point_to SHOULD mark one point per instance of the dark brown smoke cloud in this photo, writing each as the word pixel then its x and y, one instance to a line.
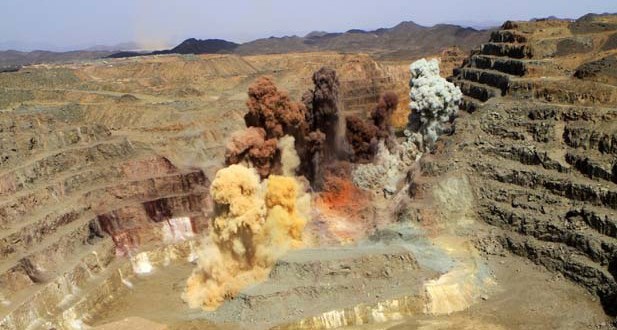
pixel 272 114
pixel 274 111
pixel 252 145
pixel 313 158
pixel 323 112
pixel 322 118
pixel 382 114
pixel 363 136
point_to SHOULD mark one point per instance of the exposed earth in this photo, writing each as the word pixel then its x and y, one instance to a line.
pixel 401 42
pixel 509 223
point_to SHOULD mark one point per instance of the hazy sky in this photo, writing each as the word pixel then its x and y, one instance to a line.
pixel 63 24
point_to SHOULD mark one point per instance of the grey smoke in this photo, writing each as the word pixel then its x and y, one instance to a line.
pixel 434 101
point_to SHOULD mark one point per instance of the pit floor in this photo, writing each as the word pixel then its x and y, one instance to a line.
pixel 527 297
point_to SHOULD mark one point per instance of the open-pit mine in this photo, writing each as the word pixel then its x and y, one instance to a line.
pixel 316 190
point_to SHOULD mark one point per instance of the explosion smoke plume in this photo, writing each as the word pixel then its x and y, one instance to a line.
pixel 382 113
pixel 313 158
pixel 254 223
pixel 252 146
pixel 434 101
pixel 272 114
pixel 363 136
pixel 322 111
pixel 273 110
pixel 289 157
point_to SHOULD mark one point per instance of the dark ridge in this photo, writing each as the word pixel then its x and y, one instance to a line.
pixel 13 58
pixel 208 46
pixel 590 24
pixel 549 18
pixel 611 42
pixel 314 34
pixel 327 36
pixel 381 31
pixel 606 66
pixel 407 25
pixel 314 40
pixel 189 46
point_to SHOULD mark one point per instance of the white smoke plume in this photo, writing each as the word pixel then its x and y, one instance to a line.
pixel 433 101
pixel 387 169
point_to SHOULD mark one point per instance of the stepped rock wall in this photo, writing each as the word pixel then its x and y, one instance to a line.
pixel 538 146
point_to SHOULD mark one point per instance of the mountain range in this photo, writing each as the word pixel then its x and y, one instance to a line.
pixel 403 41
pixel 406 39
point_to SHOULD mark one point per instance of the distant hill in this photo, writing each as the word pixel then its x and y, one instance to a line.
pixel 189 46
pixel 13 58
pixel 404 40
pixel 196 46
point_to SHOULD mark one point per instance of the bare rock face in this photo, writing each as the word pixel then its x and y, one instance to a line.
pixel 73 197
pixel 539 147
pixel 603 70
pixel 538 50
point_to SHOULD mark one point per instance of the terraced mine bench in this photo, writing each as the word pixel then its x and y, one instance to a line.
pixel 523 58
pixel 60 189
pixel 543 160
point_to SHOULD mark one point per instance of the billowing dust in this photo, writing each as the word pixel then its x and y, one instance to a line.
pixel 262 199
pixel 254 224
pixel 294 176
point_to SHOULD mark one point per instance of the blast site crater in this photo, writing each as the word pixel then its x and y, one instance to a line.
pixel 297 190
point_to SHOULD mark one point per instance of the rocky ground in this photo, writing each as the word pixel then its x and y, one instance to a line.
pixel 540 152
pixel 527 297
pixel 514 216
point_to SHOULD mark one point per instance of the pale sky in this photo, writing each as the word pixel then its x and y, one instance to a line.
pixel 72 24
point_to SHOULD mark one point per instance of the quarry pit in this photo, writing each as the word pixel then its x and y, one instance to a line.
pixel 160 192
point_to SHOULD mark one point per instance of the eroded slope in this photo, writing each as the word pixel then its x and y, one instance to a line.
pixel 541 150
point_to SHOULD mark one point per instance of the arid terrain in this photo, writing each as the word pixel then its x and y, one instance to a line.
pixel 401 42
pixel 510 222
